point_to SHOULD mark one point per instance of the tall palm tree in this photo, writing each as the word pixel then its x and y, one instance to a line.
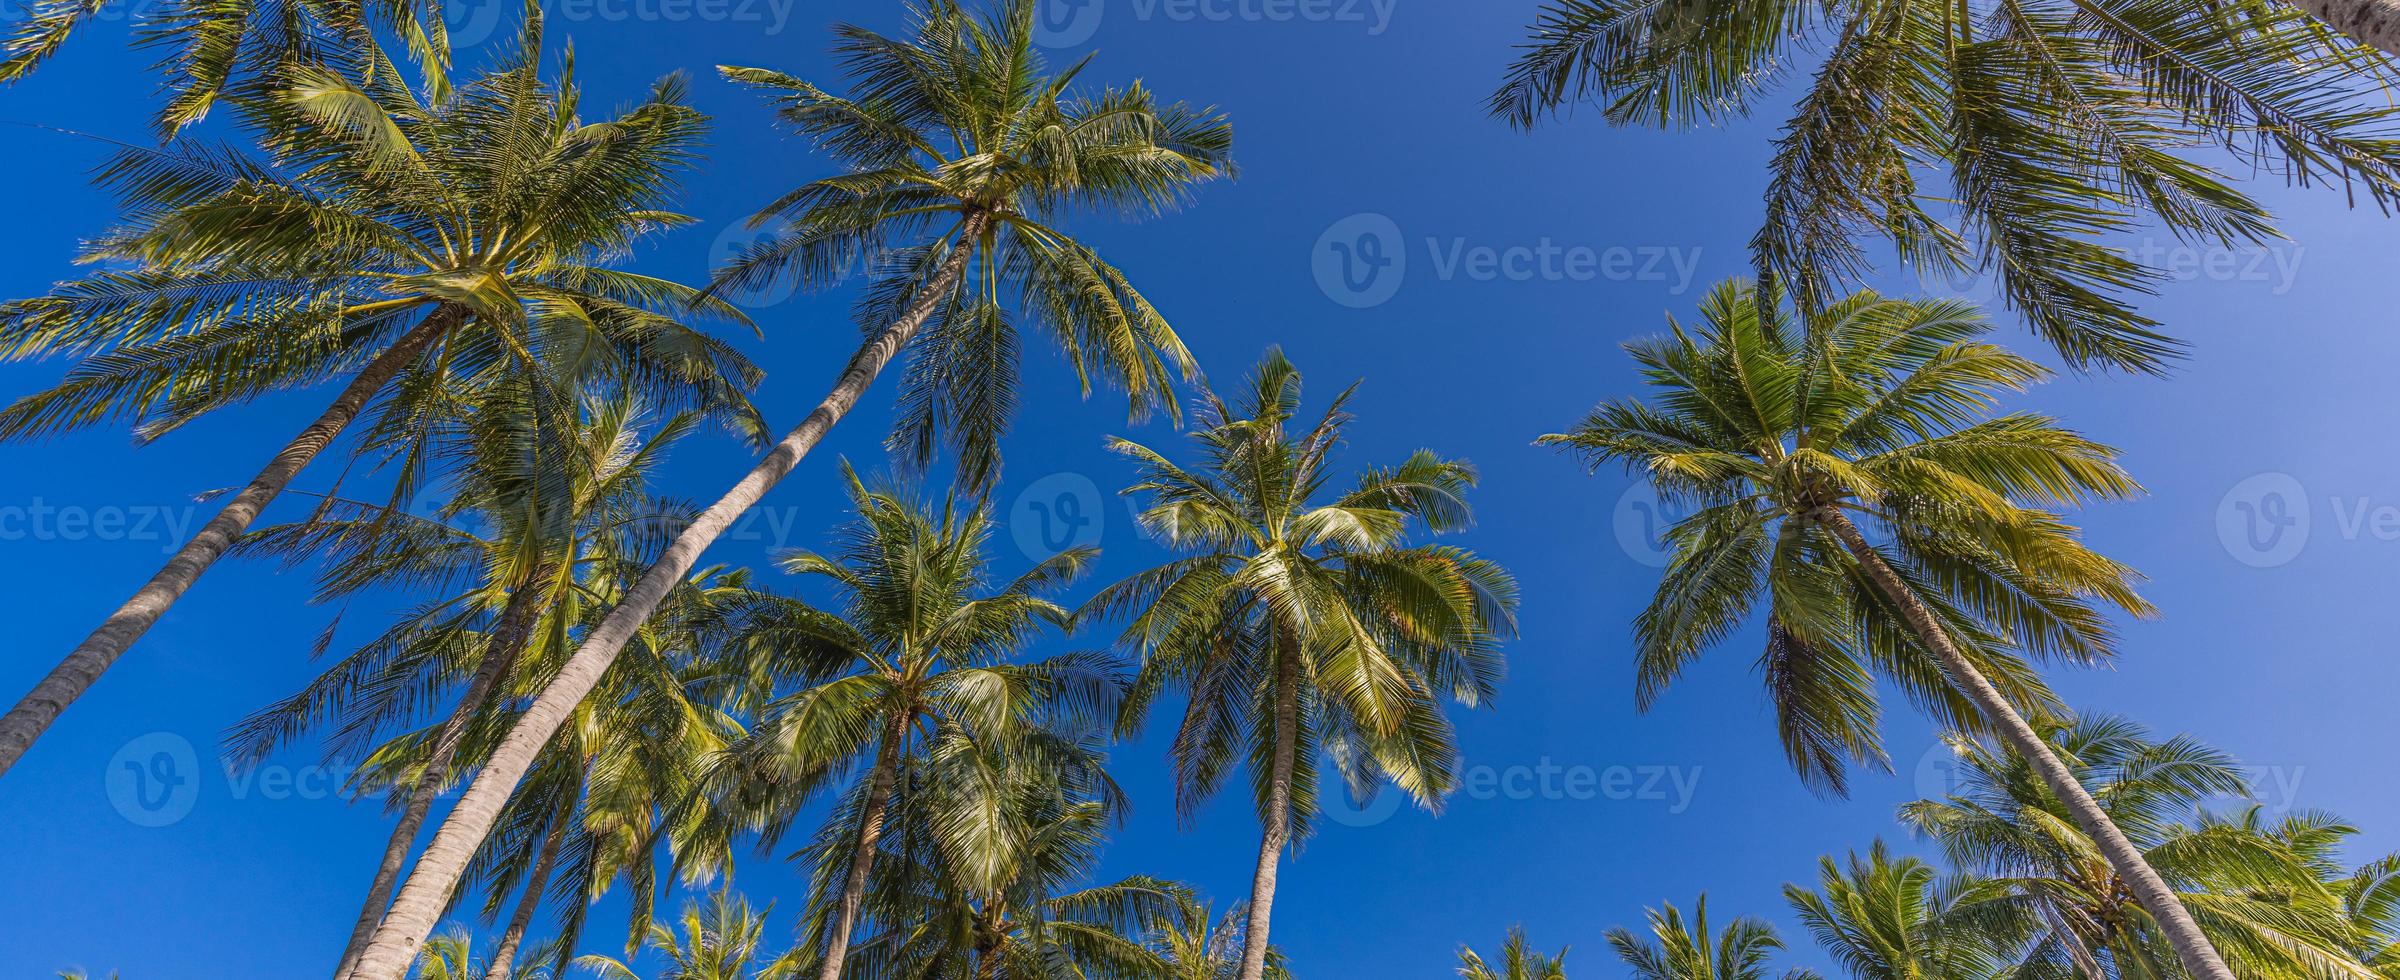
pixel 911 670
pixel 1029 910
pixel 1300 625
pixel 2268 896
pixel 1887 918
pixel 1518 961
pixel 960 151
pixel 420 250
pixel 2049 123
pixel 1677 949
pixel 2375 23
pixel 724 942
pixel 540 523
pixel 215 48
pixel 1793 443
pixel 1195 944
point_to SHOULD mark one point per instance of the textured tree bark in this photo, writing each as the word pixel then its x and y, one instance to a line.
pixel 1278 829
pixel 2199 956
pixel 420 902
pixel 2374 23
pixel 509 637
pixel 504 958
pixel 83 667
pixel 870 832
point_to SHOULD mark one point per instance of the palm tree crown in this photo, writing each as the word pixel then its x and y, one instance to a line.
pixel 2053 122
pixel 1882 412
pixel 958 140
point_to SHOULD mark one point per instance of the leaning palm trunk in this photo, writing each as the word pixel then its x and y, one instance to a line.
pixel 2374 23
pixel 505 958
pixel 413 914
pixel 1278 830
pixel 2199 957
pixel 508 642
pixel 862 860
pixel 82 668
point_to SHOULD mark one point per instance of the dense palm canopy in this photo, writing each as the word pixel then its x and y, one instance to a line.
pixel 1681 949
pixel 2014 136
pixel 1302 626
pixel 1881 413
pixel 1193 943
pixel 1043 915
pixel 910 673
pixel 957 143
pixel 423 249
pixel 215 49
pixel 497 210
pixel 2268 893
pixel 542 529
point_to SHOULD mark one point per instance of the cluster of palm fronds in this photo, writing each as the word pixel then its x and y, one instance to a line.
pixel 2025 895
pixel 612 713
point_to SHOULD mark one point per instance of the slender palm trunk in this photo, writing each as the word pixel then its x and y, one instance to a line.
pixel 2374 23
pixel 1278 830
pixel 413 913
pixel 83 667
pixel 505 958
pixel 509 637
pixel 2199 957
pixel 870 831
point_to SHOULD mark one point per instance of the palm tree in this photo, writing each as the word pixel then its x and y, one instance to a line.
pixel 960 144
pixel 2372 897
pixel 216 49
pixel 1195 944
pixel 1025 910
pixel 1518 961
pixel 1785 440
pixel 1680 950
pixel 911 671
pixel 424 251
pixel 2375 23
pixel 2053 122
pixel 2268 896
pixel 1297 625
pixel 451 956
pixel 1886 918
pixel 722 943
pixel 539 523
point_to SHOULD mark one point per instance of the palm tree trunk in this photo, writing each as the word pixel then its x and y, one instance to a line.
pixel 2374 23
pixel 505 958
pixel 870 831
pixel 2199 957
pixel 83 667
pixel 420 902
pixel 509 637
pixel 1278 830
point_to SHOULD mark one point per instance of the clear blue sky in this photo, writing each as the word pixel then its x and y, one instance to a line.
pixel 2284 664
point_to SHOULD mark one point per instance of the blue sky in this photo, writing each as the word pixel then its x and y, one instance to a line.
pixel 1513 266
